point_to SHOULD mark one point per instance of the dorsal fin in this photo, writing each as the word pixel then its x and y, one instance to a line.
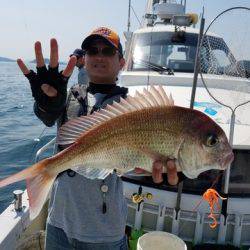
pixel 73 129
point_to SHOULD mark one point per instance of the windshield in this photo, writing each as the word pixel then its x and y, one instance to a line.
pixel 176 51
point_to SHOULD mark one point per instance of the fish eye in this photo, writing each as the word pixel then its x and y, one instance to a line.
pixel 212 140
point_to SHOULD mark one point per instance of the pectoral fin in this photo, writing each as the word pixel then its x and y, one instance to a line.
pixel 156 156
pixel 93 173
pixel 138 172
pixel 190 175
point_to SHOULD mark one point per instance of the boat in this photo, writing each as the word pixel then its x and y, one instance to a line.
pixel 163 52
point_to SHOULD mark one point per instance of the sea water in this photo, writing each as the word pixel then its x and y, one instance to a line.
pixel 21 132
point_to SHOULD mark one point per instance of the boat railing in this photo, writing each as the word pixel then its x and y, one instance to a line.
pixel 19 221
pixel 45 148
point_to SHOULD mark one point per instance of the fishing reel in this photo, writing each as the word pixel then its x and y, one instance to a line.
pixel 137 198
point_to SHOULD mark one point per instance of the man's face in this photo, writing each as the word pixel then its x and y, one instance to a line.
pixel 102 68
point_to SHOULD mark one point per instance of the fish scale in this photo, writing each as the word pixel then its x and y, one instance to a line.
pixel 118 142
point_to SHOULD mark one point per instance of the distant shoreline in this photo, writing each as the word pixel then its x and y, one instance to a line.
pixel 6 59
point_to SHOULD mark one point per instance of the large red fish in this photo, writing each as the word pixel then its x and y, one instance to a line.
pixel 129 134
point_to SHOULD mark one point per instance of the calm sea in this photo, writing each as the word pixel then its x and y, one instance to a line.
pixel 21 132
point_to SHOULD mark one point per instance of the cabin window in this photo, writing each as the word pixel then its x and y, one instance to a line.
pixel 157 51
pixel 221 58
pixel 216 58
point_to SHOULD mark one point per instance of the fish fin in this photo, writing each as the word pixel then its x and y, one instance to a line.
pixel 190 175
pixel 137 172
pixel 155 156
pixel 38 189
pixel 73 129
pixel 39 180
pixel 25 173
pixel 120 172
pixel 93 173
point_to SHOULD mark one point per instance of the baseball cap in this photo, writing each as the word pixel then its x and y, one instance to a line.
pixel 105 33
pixel 78 53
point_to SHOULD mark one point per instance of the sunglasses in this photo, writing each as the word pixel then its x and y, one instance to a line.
pixel 106 51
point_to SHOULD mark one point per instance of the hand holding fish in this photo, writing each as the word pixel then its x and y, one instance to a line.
pixel 170 169
pixel 48 85
pixel 158 168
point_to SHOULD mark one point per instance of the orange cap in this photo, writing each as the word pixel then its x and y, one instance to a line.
pixel 104 33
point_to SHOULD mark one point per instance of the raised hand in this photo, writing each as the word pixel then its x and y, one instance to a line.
pixel 48 86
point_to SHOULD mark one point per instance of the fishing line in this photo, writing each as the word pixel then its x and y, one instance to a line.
pixel 36 142
pixel 138 20
pixel 22 7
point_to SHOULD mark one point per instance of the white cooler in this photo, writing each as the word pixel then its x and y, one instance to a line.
pixel 158 240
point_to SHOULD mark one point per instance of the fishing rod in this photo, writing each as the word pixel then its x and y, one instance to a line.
pixel 196 72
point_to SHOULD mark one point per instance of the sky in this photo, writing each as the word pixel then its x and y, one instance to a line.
pixel 25 21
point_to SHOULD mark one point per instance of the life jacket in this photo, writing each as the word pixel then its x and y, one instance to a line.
pixel 81 102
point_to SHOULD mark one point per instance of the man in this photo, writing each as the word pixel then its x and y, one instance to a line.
pixel 82 74
pixel 85 212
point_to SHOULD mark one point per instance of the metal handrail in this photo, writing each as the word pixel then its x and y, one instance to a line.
pixel 44 148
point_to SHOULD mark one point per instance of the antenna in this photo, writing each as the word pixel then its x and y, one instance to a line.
pixel 129 8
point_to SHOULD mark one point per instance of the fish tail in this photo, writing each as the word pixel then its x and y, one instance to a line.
pixel 39 181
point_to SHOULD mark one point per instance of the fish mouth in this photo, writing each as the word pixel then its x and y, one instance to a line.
pixel 227 160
